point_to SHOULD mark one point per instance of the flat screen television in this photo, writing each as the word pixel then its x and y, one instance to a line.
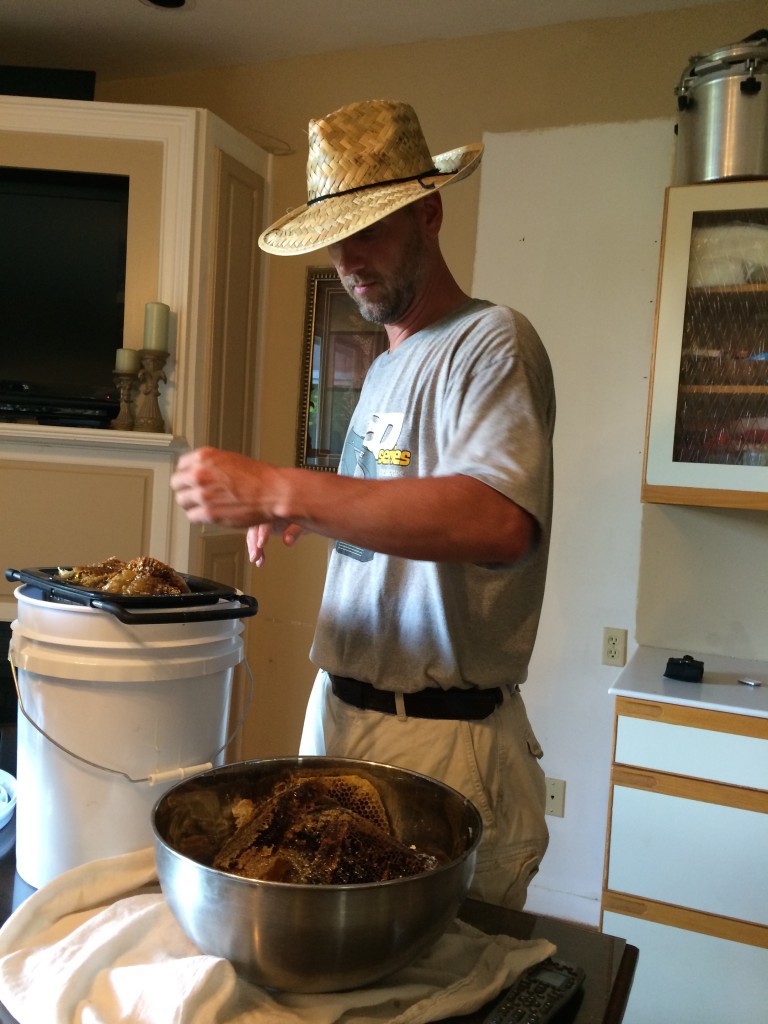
pixel 63 241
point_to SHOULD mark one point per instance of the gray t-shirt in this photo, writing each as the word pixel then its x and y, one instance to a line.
pixel 471 394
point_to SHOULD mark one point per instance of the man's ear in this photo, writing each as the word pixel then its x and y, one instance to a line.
pixel 431 209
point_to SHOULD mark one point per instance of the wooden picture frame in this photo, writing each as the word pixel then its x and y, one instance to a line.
pixel 708 395
pixel 339 347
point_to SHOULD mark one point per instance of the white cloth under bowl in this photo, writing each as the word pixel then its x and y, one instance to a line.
pixel 99 945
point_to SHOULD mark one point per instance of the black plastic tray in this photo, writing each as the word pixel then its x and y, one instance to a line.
pixel 199 604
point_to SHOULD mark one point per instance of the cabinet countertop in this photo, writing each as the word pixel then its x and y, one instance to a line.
pixel 719 690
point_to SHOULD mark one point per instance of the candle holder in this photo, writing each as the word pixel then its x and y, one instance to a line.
pixel 125 382
pixel 148 416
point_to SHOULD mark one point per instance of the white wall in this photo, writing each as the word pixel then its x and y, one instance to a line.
pixel 569 233
pixel 703 586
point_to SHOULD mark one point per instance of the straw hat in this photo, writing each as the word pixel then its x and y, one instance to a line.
pixel 366 160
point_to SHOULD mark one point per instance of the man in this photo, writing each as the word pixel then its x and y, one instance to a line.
pixel 440 514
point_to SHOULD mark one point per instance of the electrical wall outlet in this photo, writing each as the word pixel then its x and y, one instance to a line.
pixel 614 646
pixel 555 798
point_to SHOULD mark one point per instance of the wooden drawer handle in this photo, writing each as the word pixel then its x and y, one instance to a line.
pixel 625 905
pixel 641 709
pixel 634 778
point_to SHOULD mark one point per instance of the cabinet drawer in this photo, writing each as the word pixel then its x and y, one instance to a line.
pixel 702 753
pixel 706 856
pixel 686 976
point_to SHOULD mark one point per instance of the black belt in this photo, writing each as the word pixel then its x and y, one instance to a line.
pixel 457 704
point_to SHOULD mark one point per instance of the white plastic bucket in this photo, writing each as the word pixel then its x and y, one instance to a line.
pixel 110 716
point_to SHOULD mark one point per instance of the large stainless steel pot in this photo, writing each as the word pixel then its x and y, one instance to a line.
pixel 314 938
pixel 722 99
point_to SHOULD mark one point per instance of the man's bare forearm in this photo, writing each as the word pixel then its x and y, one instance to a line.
pixel 452 518
pixel 455 518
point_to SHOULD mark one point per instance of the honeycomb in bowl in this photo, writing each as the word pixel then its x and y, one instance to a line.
pixel 326 830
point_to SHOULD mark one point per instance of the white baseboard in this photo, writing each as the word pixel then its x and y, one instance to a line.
pixel 563 904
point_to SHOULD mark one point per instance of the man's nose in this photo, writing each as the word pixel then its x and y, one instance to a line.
pixel 346 256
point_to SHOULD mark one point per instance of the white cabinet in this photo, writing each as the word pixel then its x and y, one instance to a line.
pixel 672 747
pixel 707 440
pixel 196 201
pixel 685 851
pixel 689 977
pixel 686 860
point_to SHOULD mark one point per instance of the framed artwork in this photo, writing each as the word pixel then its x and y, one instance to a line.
pixel 339 346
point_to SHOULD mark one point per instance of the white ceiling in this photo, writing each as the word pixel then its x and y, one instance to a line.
pixel 127 38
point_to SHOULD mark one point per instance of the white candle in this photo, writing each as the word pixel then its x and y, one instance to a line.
pixel 127 360
pixel 156 326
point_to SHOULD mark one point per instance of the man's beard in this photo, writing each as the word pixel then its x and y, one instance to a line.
pixel 391 307
pixel 399 288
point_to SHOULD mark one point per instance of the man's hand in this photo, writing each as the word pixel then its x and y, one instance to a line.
pixel 220 487
pixel 259 535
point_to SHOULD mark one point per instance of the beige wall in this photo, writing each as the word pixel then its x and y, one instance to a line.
pixel 603 71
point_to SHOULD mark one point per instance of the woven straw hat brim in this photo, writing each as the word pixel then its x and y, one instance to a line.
pixel 331 220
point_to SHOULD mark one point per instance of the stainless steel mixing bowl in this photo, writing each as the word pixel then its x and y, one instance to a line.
pixel 313 938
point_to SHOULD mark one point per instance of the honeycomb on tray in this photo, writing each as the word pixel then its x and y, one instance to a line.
pixel 319 830
pixel 141 577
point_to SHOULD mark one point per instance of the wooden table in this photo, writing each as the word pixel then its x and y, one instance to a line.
pixel 609 962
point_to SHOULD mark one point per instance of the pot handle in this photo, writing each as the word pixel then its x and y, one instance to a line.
pixel 750 86
pixel 760 36
pixel 247 606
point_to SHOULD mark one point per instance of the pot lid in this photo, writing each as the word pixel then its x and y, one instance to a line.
pixel 752 50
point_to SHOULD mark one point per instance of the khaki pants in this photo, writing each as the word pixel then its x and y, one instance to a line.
pixel 493 762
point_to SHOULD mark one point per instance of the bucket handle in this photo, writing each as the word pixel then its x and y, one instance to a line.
pixel 246 607
pixel 156 778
